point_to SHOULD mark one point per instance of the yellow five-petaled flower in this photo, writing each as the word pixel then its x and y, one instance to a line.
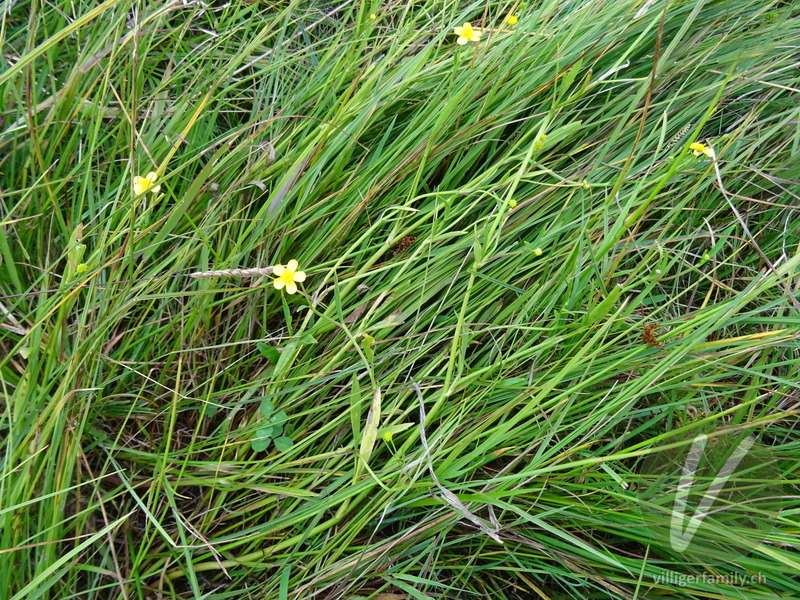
pixel 697 148
pixel 288 276
pixel 142 185
pixel 467 34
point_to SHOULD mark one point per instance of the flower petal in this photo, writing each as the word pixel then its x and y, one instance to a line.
pixel 299 276
pixel 279 283
pixel 278 270
pixel 155 189
pixel 461 41
pixel 151 176
pixel 291 288
pixel 292 266
pixel 458 30
pixel 697 148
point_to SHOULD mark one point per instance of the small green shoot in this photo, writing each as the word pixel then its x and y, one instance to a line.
pixel 276 430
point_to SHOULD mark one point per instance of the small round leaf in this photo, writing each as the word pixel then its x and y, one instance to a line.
pixel 266 407
pixel 260 444
pixel 268 352
pixel 268 431
pixel 283 443
pixel 278 418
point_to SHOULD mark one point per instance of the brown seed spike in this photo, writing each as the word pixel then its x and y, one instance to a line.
pixel 404 244
pixel 649 336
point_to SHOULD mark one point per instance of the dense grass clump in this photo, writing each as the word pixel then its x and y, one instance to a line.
pixel 526 290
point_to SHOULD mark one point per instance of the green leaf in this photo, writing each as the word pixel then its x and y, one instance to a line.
pixel 269 431
pixel 283 588
pixel 283 443
pixel 307 338
pixel 75 250
pixel 562 133
pixel 601 310
pixel 355 409
pixel 394 429
pixel 569 77
pixel 278 418
pixel 266 407
pixel 370 433
pixel 269 352
pixel 260 444
pixel 287 357
pixel 477 249
pixel 366 345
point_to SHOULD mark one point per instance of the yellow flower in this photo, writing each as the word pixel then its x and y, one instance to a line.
pixel 387 436
pixel 467 34
pixel 288 277
pixel 373 16
pixel 511 19
pixel 142 185
pixel 537 252
pixel 512 203
pixel 82 268
pixel 697 149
